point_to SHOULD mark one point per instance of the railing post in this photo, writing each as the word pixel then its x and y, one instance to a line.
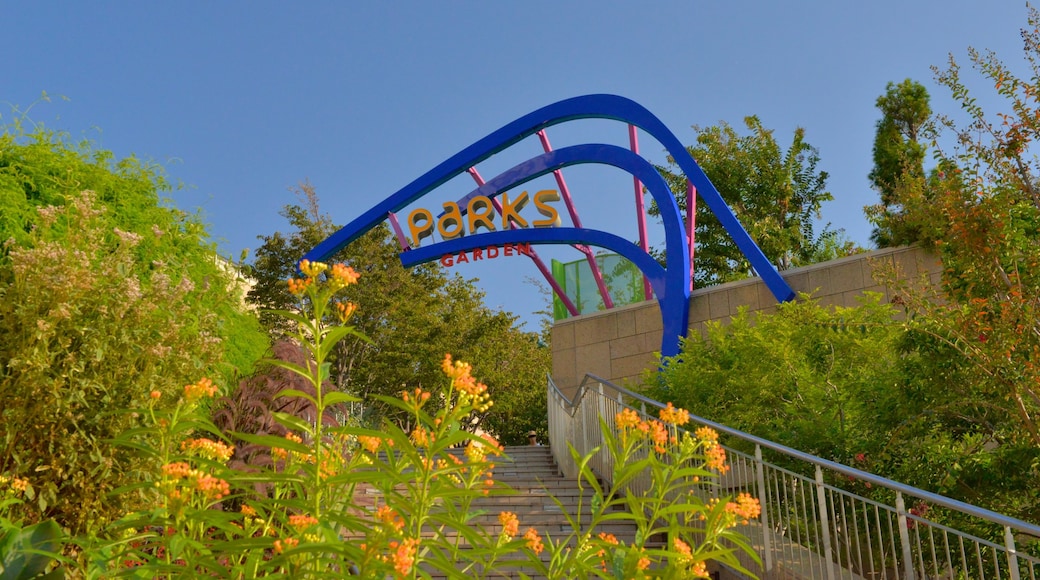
pixel 604 458
pixel 584 408
pixel 821 502
pixel 904 536
pixel 763 497
pixel 1012 553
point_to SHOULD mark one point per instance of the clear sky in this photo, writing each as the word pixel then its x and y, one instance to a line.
pixel 242 100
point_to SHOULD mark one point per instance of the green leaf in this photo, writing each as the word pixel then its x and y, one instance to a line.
pixel 29 551
pixel 292 422
pixel 337 397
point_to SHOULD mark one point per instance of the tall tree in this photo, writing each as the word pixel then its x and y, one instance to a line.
pixel 411 318
pixel 899 151
pixel 776 194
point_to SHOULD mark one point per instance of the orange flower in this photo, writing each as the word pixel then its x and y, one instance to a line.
pixel 203 388
pixel 344 310
pixel 343 275
pixel 302 521
pixel 209 449
pixel 247 510
pixel 460 374
pixel 212 487
pixel 699 570
pixel 421 437
pixel 659 435
pixel 627 419
pixel 388 516
pixel 745 507
pixel 16 483
pixel 643 563
pixel 510 524
pixel 610 539
pixel 707 435
pixel 674 416
pixel 682 548
pixel 404 556
pixel 298 286
pixel 285 544
pixel 155 394
pixel 534 541
pixel 370 444
pixel 715 457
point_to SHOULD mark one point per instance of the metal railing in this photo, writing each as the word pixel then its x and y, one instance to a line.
pixel 811 524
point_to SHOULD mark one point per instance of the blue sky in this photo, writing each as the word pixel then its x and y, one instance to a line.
pixel 242 100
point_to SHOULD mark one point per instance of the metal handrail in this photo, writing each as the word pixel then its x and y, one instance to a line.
pixel 917 555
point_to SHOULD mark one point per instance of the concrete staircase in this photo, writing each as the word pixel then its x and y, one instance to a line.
pixel 531 471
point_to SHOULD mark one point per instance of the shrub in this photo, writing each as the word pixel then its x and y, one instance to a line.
pixel 105 296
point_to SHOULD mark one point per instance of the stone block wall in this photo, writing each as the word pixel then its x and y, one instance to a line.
pixel 619 344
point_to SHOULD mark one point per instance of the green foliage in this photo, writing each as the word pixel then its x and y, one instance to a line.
pixel 105 295
pixel 899 151
pixel 410 318
pixel 775 193
pixel 809 377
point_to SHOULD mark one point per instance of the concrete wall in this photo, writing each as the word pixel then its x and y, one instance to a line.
pixel 619 344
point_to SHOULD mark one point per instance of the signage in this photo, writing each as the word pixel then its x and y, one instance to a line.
pixel 480 213
pixel 489 253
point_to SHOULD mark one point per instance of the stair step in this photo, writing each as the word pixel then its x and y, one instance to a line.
pixel 530 480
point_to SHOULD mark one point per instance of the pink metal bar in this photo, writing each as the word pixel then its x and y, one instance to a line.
pixel 691 222
pixel 571 308
pixel 401 238
pixel 633 142
pixel 589 257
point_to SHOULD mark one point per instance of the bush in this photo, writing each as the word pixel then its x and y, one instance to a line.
pixel 105 296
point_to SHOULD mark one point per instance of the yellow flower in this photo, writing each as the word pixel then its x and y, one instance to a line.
pixel 312 269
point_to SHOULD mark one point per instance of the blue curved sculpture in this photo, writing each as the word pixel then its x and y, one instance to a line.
pixel 671 285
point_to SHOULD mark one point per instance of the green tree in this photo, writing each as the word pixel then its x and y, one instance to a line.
pixel 775 193
pixel 410 319
pixel 106 296
pixel 899 151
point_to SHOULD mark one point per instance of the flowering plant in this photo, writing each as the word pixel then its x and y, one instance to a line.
pixel 400 499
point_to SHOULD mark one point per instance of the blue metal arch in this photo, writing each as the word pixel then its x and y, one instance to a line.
pixel 672 286
pixel 584 107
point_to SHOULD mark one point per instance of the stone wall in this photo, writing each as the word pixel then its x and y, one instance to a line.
pixel 619 344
